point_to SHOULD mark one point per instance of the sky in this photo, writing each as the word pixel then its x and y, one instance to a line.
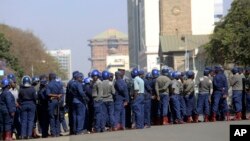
pixel 66 24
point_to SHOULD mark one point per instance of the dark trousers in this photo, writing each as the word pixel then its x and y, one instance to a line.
pixel 79 112
pixel 6 121
pixel 219 104
pixel 62 118
pixel 53 107
pixel 28 110
pixel 43 118
pixel 190 104
pixel 175 101
pixel 147 109
pixel 17 122
pixel 108 109
pixel 98 116
pixel 138 111
pixel 237 100
pixel 203 104
pixel 163 105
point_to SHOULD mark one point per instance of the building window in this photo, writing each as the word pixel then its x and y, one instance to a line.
pixel 112 43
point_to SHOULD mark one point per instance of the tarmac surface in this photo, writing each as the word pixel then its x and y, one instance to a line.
pixel 212 131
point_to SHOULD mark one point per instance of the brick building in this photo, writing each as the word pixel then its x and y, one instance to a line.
pixel 184 27
pixel 109 43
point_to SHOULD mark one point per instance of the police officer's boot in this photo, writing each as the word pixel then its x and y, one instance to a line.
pixel 189 120
pixel 195 118
pixel 237 116
pixel 34 134
pixel 165 120
pixel 213 118
pixel 206 118
pixel 8 136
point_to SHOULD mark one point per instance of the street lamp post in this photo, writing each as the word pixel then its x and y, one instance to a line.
pixel 183 38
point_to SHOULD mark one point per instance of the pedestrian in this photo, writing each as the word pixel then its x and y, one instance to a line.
pixel 220 94
pixel 42 107
pixel 90 107
pixel 138 99
pixel 7 110
pixel 79 104
pixel 14 90
pixel 108 100
pixel 97 94
pixel 147 100
pixel 27 100
pixel 236 82
pixel 154 102
pixel 54 92
pixel 121 100
pixel 176 99
pixel 69 100
pixel 204 97
pixel 162 91
pixel 189 96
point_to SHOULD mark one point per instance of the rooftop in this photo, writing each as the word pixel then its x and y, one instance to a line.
pixel 110 33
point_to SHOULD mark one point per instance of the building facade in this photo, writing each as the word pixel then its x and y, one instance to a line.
pixel 109 43
pixel 143 29
pixel 63 57
pixel 184 27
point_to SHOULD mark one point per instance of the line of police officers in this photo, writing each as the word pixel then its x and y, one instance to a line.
pixel 100 102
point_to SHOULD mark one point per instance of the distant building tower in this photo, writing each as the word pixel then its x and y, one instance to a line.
pixel 63 56
pixel 109 50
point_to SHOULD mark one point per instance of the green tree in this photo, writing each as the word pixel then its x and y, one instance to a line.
pixel 5 54
pixel 230 42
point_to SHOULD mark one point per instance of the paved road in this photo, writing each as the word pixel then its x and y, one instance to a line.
pixel 216 131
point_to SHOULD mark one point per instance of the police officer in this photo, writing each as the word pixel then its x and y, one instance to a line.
pixel 162 92
pixel 7 110
pixel 204 97
pixel 54 92
pixel 147 100
pixel 97 94
pixel 68 100
pixel 79 104
pixel 220 93
pixel 154 102
pixel 90 109
pixel 108 92
pixel 35 82
pixel 16 125
pixel 42 107
pixel 128 118
pixel 175 98
pixel 236 82
pixel 138 99
pixel 27 101
pixel 188 90
pixel 62 108
pixel 121 99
